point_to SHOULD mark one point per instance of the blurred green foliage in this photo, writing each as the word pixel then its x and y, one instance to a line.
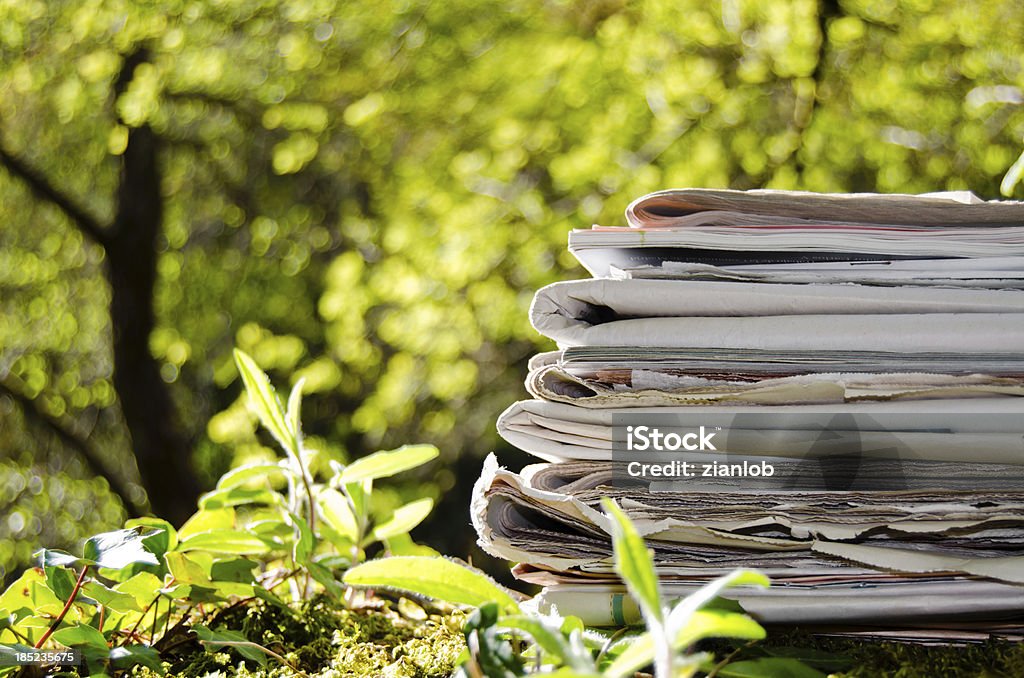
pixel 366 194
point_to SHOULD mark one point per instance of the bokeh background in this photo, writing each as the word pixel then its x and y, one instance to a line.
pixel 367 193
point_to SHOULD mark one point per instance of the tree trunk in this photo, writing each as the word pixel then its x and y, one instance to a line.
pixel 162 451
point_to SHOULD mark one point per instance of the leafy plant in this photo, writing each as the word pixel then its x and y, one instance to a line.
pixel 133 591
pixel 564 644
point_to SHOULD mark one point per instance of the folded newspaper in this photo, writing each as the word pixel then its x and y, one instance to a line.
pixel 727 227
pixel 976 429
pixel 763 316
pixel 824 387
pixel 821 550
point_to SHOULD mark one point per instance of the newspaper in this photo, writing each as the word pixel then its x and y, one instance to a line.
pixel 988 429
pixel 555 522
pixel 727 227
pixel 680 208
pixel 984 273
pixel 764 316
pixel 852 367
pixel 609 388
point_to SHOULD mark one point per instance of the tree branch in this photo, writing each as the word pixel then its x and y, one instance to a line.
pixel 44 189
pixel 37 416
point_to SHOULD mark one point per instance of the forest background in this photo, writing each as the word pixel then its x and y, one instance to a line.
pixel 365 194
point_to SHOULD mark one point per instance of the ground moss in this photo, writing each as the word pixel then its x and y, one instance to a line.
pixel 326 640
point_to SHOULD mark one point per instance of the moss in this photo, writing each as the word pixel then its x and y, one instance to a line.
pixel 326 640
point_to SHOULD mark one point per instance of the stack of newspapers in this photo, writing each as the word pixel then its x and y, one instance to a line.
pixel 827 388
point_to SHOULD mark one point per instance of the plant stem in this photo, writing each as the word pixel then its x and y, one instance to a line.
pixel 309 489
pixel 131 634
pixel 156 614
pixel 663 655
pixel 67 606
pixel 720 665
pixel 608 643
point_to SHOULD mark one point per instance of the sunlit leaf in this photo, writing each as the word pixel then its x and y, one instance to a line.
pixel 384 464
pixel 80 635
pixel 207 519
pixel 294 412
pixel 1012 176
pixel 109 598
pixel 680 614
pixel 633 562
pixel 336 511
pixel 264 399
pixel 239 496
pixel 638 652
pixel 432 577
pixel 249 473
pixel 224 541
pixel 120 548
pixel 404 519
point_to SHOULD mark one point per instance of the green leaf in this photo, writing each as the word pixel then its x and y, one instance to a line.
pixel 61 581
pixel 264 400
pixel 293 413
pixel 276 531
pixel 120 548
pixel 224 541
pixel 359 494
pixel 110 598
pixel 186 569
pixel 32 604
pixel 302 550
pixel 403 545
pixel 385 464
pixel 208 579
pixel 238 570
pixel 718 624
pixel 680 614
pixel 776 667
pixel 206 520
pixel 143 587
pixel 80 635
pixel 268 597
pixel 196 593
pixel 261 471
pixel 1012 176
pixel 337 513
pixel 550 639
pixel 639 651
pixel 232 639
pixel 326 578
pixel 56 558
pixel 127 656
pixel 404 519
pixel 432 577
pixel 634 563
pixel 239 496
pixel 162 536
